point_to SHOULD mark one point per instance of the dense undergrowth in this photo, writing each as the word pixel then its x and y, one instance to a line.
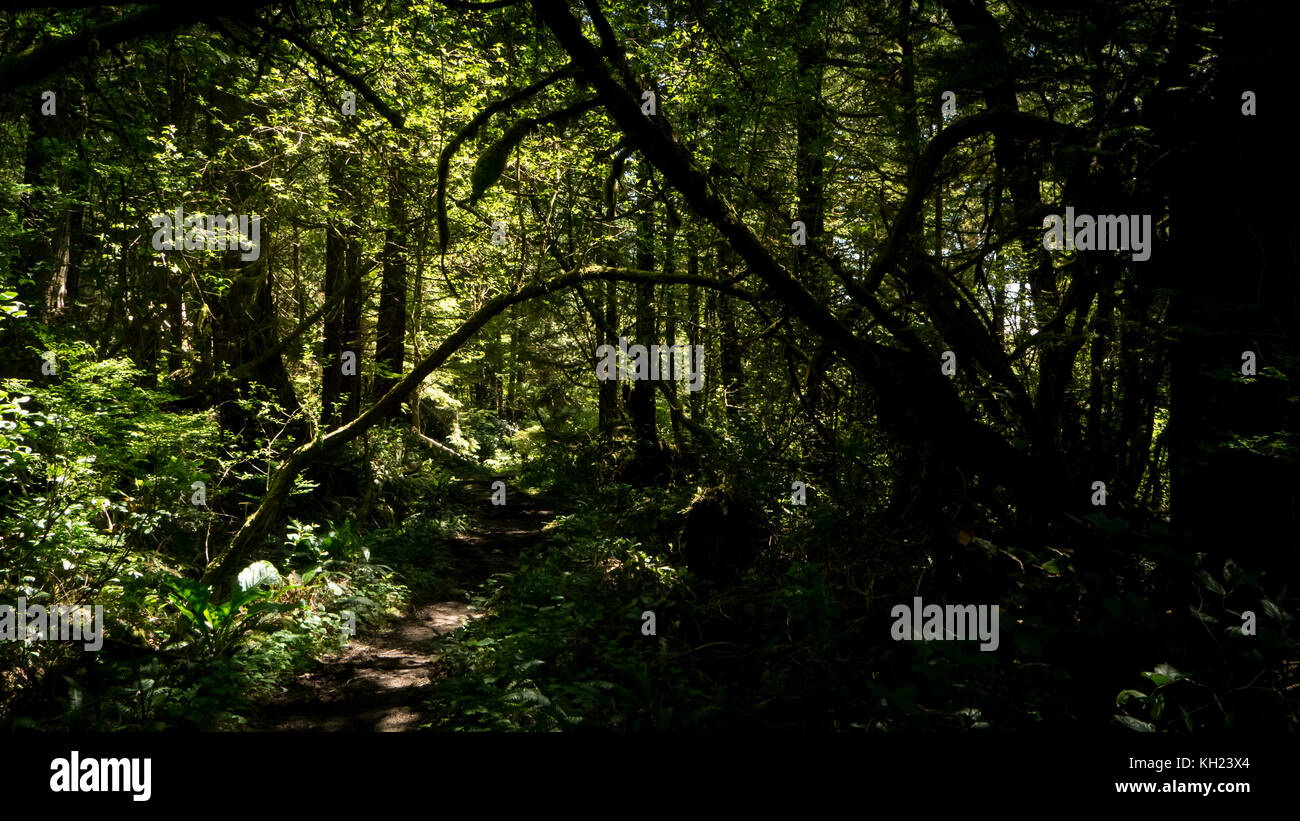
pixel 111 498
pixel 800 638
pixel 766 614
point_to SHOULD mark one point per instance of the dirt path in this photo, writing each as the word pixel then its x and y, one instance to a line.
pixel 380 681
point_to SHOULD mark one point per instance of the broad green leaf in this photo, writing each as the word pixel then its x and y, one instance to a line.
pixel 257 574
pixel 1135 724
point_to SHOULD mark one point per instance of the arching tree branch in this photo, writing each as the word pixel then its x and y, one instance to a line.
pixel 467 133
pixel 362 87
pixel 905 382
pixel 39 63
pixel 256 526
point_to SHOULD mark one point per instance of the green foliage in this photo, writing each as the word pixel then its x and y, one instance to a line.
pixel 1215 698
pixel 178 366
pixel 338 561
pixel 95 485
pixel 492 162
pixel 487 438
pixel 108 459
pixel 217 628
pixel 1154 702
pixel 561 646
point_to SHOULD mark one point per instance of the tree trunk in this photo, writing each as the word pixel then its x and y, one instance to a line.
pixel 353 342
pixel 390 349
pixel 335 265
pixel 642 405
pixel 1234 490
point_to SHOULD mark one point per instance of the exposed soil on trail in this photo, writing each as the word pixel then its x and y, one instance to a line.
pixel 379 683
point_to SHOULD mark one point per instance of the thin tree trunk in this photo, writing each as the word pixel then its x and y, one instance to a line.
pixel 642 405
pixel 335 263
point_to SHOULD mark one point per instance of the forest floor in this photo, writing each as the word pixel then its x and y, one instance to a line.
pixel 380 681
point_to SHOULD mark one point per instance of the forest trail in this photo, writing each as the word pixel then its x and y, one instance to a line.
pixel 379 682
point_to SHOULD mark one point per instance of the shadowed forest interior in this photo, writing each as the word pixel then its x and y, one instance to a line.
pixel 619 366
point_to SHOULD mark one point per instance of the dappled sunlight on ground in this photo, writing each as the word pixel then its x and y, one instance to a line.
pixel 380 681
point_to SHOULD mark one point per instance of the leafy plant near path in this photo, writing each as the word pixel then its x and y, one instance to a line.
pixel 562 645
pixel 216 629
pixel 1177 701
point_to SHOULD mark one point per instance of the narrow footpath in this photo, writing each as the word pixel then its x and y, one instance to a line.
pixel 379 683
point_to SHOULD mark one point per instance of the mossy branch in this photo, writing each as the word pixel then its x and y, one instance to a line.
pixel 469 130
